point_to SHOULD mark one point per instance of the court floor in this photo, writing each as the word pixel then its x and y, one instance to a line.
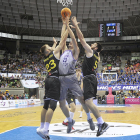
pixel 21 124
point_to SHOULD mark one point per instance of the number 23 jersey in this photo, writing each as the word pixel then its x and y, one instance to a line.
pixel 90 64
pixel 52 63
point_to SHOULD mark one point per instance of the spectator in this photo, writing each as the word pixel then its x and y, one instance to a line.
pixel 17 97
pixel 32 97
pixel 103 99
pixel 4 96
pixel 23 96
pixel 20 97
pixel 26 95
pixel 7 92
pixel 11 97
pixel 1 96
pixel 118 98
pixel 123 99
pixel 122 93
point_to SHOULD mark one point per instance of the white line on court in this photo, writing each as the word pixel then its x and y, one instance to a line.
pixel 10 130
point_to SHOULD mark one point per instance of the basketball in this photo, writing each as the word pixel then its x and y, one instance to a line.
pixel 65 12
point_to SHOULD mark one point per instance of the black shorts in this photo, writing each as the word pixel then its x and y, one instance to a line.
pixel 90 86
pixel 70 98
pixel 52 88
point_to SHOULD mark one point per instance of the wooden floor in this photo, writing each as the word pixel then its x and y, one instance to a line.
pixel 14 118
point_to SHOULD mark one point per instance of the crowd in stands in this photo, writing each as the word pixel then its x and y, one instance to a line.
pixel 128 76
pixel 33 64
pixel 7 96
pixel 111 58
pixel 9 82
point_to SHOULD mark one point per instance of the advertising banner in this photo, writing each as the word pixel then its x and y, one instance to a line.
pixel 37 101
pixel 17 103
pixel 119 87
pixel 4 103
pixel 30 84
pixel 15 75
pixel 29 75
pixel 132 101
pixel 110 99
pixel 24 102
pixel 12 103
pixel 31 102
pixel 3 74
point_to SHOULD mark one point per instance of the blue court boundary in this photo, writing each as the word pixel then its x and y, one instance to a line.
pixel 29 133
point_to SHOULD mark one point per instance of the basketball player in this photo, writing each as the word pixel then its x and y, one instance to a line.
pixel 52 85
pixel 70 98
pixel 69 80
pixel 90 82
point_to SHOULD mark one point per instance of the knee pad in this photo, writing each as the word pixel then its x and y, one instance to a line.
pixel 46 104
pixel 53 105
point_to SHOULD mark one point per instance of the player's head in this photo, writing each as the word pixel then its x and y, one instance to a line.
pixel 70 46
pixel 45 49
pixel 97 47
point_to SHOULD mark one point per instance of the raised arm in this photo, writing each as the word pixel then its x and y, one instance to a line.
pixel 74 42
pixel 88 49
pixel 54 43
pixel 61 44
pixel 63 27
pixel 63 30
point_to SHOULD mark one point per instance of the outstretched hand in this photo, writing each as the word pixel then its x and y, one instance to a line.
pixel 65 20
pixel 74 21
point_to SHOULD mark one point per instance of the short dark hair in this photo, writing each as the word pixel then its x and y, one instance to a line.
pixel 99 46
pixel 42 50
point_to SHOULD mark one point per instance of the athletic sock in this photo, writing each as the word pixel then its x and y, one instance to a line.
pixel 69 119
pixel 71 115
pixel 100 120
pixel 88 116
pixel 42 125
pixel 46 126
pixel 66 120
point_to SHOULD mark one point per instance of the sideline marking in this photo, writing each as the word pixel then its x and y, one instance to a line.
pixel 10 130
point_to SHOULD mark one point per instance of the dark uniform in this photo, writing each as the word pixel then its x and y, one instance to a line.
pixel 90 81
pixel 70 97
pixel 52 83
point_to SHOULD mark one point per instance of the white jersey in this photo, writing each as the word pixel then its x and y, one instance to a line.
pixel 67 63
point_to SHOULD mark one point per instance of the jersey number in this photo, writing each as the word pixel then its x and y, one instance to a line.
pixel 51 65
pixel 96 63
